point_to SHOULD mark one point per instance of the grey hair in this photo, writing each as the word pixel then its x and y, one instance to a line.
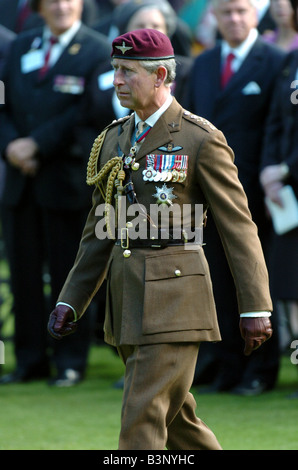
pixel 169 64
pixel 216 3
pixel 124 12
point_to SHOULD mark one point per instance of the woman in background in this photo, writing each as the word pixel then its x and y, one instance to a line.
pixel 285 34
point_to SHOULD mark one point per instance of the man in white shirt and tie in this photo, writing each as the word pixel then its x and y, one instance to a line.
pixel 239 109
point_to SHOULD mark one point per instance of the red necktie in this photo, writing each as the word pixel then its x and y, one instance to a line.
pixel 53 40
pixel 227 71
pixel 23 14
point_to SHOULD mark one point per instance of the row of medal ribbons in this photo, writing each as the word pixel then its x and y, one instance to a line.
pixel 166 168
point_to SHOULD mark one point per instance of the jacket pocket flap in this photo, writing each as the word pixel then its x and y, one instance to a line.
pixel 166 266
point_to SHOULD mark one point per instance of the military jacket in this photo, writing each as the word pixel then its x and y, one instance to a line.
pixel 165 294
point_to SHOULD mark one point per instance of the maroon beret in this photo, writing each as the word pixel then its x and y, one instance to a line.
pixel 142 44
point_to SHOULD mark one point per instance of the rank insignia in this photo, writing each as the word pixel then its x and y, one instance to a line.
pixel 164 195
pixel 166 168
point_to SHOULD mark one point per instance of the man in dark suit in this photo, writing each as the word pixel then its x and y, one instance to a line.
pixel 45 197
pixel 239 108
pixel 17 15
pixel 6 38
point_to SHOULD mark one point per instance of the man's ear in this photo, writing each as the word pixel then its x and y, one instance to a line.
pixel 161 75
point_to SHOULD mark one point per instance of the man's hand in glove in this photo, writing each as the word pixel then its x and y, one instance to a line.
pixel 61 322
pixel 254 331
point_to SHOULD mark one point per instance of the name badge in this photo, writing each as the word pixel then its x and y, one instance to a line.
pixel 31 61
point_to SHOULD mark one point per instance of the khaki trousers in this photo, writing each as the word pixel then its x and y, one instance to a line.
pixel 158 411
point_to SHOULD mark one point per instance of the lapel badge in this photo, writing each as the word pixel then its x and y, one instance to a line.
pixel 164 195
pixel 74 49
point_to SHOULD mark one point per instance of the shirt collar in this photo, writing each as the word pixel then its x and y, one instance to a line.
pixel 243 49
pixel 151 120
pixel 64 38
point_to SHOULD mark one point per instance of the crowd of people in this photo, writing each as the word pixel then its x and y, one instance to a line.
pixel 59 95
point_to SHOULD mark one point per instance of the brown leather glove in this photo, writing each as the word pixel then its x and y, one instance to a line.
pixel 254 331
pixel 61 322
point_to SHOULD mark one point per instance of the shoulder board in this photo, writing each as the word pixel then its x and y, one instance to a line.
pixel 202 122
pixel 116 122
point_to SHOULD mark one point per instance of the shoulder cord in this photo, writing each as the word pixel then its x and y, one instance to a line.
pixel 112 174
pixel 106 179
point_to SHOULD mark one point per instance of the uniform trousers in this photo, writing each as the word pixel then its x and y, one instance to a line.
pixel 158 410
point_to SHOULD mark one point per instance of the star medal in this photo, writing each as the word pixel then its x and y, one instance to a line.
pixel 164 195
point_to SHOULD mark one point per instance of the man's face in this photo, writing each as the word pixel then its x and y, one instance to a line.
pixel 60 15
pixel 134 86
pixel 235 19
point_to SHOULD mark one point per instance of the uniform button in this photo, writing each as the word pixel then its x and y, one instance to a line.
pixel 135 166
pixel 177 272
pixel 126 253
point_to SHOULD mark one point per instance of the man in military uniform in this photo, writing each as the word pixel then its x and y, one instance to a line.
pixel 160 304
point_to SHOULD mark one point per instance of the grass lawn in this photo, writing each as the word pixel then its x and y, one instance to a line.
pixel 35 416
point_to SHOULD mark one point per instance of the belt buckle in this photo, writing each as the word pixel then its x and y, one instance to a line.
pixel 124 239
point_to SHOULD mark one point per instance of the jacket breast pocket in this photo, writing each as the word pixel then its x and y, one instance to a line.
pixel 178 293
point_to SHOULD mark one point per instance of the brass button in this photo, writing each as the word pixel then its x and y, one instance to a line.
pixel 177 272
pixel 126 253
pixel 135 166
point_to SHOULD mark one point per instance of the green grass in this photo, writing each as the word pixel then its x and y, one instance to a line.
pixel 35 416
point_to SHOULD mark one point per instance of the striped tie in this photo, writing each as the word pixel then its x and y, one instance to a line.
pixel 142 131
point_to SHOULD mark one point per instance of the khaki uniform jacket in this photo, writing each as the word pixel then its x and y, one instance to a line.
pixel 146 301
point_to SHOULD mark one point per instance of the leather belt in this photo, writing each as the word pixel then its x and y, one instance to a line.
pixel 125 242
pixel 139 243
